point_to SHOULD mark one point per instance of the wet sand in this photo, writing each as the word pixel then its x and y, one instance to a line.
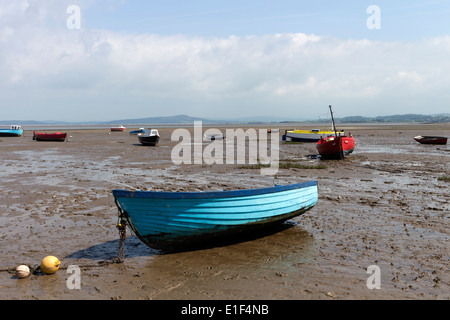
pixel 382 206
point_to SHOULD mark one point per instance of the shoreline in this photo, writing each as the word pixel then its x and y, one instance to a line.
pixel 383 206
pixel 283 126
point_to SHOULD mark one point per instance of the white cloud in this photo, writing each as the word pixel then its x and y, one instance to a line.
pixel 279 74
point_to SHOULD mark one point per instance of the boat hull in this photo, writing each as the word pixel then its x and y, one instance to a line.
pixel 431 140
pixel 307 135
pixel 148 140
pixel 169 221
pixel 118 129
pixel 59 137
pixel 136 132
pixel 335 147
pixel 10 133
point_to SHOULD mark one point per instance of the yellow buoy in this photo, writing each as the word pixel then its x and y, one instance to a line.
pixel 50 264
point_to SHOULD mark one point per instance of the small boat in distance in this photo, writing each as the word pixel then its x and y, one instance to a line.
pixel 338 146
pixel 212 137
pixel 57 136
pixel 180 220
pixel 431 140
pixel 119 128
pixel 149 138
pixel 14 131
pixel 136 132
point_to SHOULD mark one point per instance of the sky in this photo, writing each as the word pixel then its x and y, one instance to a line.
pixel 102 60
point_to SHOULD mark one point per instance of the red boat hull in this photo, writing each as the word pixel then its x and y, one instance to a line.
pixel 431 140
pixel 336 147
pixel 120 129
pixel 58 136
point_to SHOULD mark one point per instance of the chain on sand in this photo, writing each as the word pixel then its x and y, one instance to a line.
pixel 123 235
pixel 122 226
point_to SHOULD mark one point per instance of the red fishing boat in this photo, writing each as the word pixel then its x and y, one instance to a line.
pixel 337 146
pixel 431 140
pixel 57 136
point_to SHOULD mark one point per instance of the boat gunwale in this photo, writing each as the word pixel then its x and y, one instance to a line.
pixel 210 194
pixel 430 137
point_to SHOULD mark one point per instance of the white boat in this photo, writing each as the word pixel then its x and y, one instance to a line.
pixel 217 136
pixel 119 128
pixel 312 135
pixel 149 138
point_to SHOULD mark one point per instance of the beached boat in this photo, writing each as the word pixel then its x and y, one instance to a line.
pixel 337 146
pixel 14 131
pixel 172 220
pixel 119 128
pixel 136 132
pixel 56 136
pixel 150 138
pixel 431 140
pixel 212 137
pixel 312 135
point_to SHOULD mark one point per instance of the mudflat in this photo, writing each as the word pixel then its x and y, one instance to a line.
pixel 387 205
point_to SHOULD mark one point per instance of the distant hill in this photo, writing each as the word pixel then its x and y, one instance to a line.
pixel 179 119
pixel 31 122
pixel 184 119
pixel 407 118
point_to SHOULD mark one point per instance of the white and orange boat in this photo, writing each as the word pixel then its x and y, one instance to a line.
pixel 119 128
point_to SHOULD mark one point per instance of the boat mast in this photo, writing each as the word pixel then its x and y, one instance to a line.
pixel 332 119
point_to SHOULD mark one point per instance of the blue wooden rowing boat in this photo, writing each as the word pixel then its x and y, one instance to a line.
pixel 171 220
pixel 14 131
